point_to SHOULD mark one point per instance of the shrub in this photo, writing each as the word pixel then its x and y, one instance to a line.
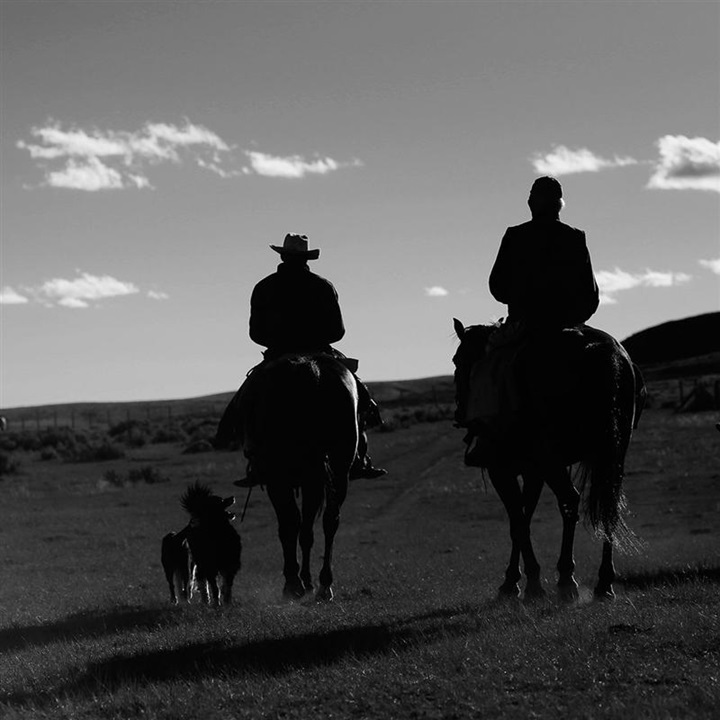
pixel 8 464
pixel 133 433
pixel 169 435
pixel 49 453
pixel 198 446
pixel 114 478
pixel 146 474
pixel 98 453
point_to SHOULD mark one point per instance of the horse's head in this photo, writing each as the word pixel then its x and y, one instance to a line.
pixel 473 342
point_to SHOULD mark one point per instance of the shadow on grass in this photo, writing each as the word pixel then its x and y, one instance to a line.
pixel 84 624
pixel 670 576
pixel 271 656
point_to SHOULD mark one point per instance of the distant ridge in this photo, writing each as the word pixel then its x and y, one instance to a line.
pixel 689 337
pixel 679 348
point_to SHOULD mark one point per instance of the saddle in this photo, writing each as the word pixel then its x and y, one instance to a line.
pixel 518 388
pixel 231 433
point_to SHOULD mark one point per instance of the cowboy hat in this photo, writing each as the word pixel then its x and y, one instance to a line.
pixel 296 245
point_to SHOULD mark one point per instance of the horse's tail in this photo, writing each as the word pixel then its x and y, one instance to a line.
pixel 601 475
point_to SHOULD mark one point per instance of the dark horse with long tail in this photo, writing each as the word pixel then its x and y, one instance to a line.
pixel 583 397
pixel 301 434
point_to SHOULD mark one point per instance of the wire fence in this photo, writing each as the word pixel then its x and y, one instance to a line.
pixel 104 418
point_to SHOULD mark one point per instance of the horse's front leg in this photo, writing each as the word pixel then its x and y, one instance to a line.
pixel 336 492
pixel 508 488
pixel 312 496
pixel 532 487
pixel 288 517
pixel 568 499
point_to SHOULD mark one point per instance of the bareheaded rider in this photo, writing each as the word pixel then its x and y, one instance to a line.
pixel 543 273
pixel 295 311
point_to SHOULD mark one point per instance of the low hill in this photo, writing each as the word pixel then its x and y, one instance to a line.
pixel 690 337
pixel 686 348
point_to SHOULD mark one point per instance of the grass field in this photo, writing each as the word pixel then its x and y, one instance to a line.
pixel 86 629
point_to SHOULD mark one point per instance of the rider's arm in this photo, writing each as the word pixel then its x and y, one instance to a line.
pixel 259 327
pixel 334 326
pixel 585 294
pixel 501 273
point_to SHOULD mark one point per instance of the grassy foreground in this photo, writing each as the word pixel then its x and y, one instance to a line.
pixel 415 632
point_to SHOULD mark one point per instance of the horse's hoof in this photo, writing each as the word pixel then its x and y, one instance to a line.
pixel 568 592
pixel 308 585
pixel 293 590
pixel 534 592
pixel 324 594
pixel 508 591
pixel 603 595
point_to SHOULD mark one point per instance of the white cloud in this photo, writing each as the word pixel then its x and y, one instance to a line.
pixel 79 292
pixel 564 161
pixel 687 164
pixel 611 282
pixel 293 166
pixel 436 291
pixel 90 175
pixel 8 296
pixel 712 265
pixel 94 160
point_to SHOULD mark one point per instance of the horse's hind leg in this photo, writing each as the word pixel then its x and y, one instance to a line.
pixel 568 499
pixel 288 517
pixel 336 493
pixel 227 583
pixel 170 576
pixel 312 495
pixel 606 575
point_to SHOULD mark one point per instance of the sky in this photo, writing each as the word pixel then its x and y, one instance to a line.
pixel 152 151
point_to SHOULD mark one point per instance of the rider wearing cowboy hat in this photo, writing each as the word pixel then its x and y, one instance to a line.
pixel 297 311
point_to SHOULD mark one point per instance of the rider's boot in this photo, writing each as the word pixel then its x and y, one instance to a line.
pixel 363 468
pixel 250 480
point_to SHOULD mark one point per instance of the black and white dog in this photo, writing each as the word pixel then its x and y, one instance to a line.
pixel 205 551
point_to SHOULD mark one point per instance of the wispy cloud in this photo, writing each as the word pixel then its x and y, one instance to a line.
pixel 8 296
pixel 611 282
pixel 293 166
pixel 436 291
pixel 561 160
pixel 92 160
pixel 89 174
pixel 79 292
pixel 156 295
pixel 687 164
pixel 712 265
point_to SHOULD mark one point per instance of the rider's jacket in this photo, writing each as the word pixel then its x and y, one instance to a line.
pixel 544 275
pixel 295 310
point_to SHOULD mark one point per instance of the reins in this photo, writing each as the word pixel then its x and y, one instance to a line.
pixel 247 500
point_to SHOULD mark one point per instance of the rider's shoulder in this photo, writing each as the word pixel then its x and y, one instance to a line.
pixel 570 230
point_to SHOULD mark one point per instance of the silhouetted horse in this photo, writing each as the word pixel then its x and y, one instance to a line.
pixel 301 434
pixel 213 542
pixel 583 397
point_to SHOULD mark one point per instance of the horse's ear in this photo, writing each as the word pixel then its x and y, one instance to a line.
pixel 459 328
